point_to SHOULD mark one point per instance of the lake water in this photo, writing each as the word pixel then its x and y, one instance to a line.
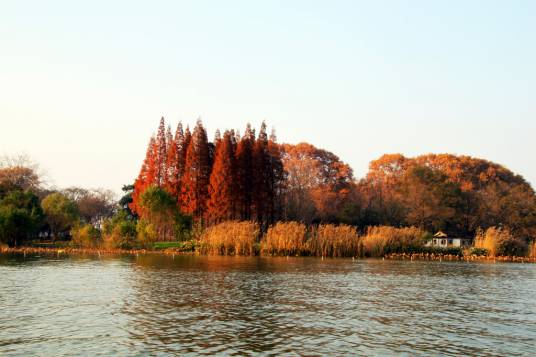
pixel 159 305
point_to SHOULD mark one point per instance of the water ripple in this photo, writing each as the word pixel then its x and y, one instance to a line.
pixel 192 305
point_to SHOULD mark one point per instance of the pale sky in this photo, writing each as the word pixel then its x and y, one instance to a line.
pixel 84 84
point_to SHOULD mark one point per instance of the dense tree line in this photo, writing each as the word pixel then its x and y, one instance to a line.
pixel 252 177
pixel 29 211
pixel 458 194
pixel 186 179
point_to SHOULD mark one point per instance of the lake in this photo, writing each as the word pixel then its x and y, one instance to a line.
pixel 158 305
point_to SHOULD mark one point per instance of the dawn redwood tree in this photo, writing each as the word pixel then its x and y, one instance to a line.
pixel 276 180
pixel 161 155
pixel 244 173
pixel 146 177
pixel 175 162
pixel 195 181
pixel 222 188
pixel 261 194
pixel 217 137
pixel 186 144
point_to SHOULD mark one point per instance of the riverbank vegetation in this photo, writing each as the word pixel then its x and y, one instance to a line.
pixel 247 194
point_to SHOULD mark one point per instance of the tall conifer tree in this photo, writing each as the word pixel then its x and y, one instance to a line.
pixel 161 157
pixel 261 176
pixel 222 189
pixel 276 179
pixel 195 181
pixel 244 170
pixel 146 177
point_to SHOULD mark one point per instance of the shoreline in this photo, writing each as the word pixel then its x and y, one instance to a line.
pixel 172 252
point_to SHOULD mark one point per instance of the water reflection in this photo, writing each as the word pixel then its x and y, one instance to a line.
pixel 154 304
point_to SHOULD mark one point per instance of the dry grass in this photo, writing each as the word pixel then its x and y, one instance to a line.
pixel 500 242
pixel 285 238
pixel 230 238
pixel 328 240
pixel 532 250
pixel 383 240
pixel 85 236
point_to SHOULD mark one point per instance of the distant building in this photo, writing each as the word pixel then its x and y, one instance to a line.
pixel 441 240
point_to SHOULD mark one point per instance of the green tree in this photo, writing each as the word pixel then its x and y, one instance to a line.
pixel 20 217
pixel 125 200
pixel 119 231
pixel 159 211
pixel 61 213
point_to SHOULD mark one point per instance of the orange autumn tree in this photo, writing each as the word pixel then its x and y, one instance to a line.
pixel 175 161
pixel 276 180
pixel 222 189
pixel 261 176
pixel 161 155
pixel 462 193
pixel 194 184
pixel 146 177
pixel 244 173
pixel 317 183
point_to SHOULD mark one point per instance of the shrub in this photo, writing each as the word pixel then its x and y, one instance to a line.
pixel 457 251
pixel 119 232
pixel 85 236
pixel 500 242
pixel 146 233
pixel 482 252
pixel 285 238
pixel 382 240
pixel 334 241
pixel 230 238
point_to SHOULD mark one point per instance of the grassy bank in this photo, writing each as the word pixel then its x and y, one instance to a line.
pixel 297 239
pixel 437 256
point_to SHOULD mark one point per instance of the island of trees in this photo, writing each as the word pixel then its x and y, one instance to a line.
pixel 249 194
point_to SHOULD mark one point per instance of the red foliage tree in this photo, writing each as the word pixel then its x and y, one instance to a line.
pixel 175 162
pixel 222 188
pixel 244 173
pixel 194 187
pixel 146 177
pixel 276 180
pixel 246 181
pixel 161 156
pixel 261 176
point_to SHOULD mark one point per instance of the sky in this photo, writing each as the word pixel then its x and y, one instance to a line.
pixel 84 84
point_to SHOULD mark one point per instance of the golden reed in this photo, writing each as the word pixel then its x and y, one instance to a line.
pixel 230 238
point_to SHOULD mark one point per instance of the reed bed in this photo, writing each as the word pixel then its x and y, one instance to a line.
pixel 329 240
pixel 532 249
pixel 382 240
pixel 230 238
pixel 285 238
pixel 500 242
